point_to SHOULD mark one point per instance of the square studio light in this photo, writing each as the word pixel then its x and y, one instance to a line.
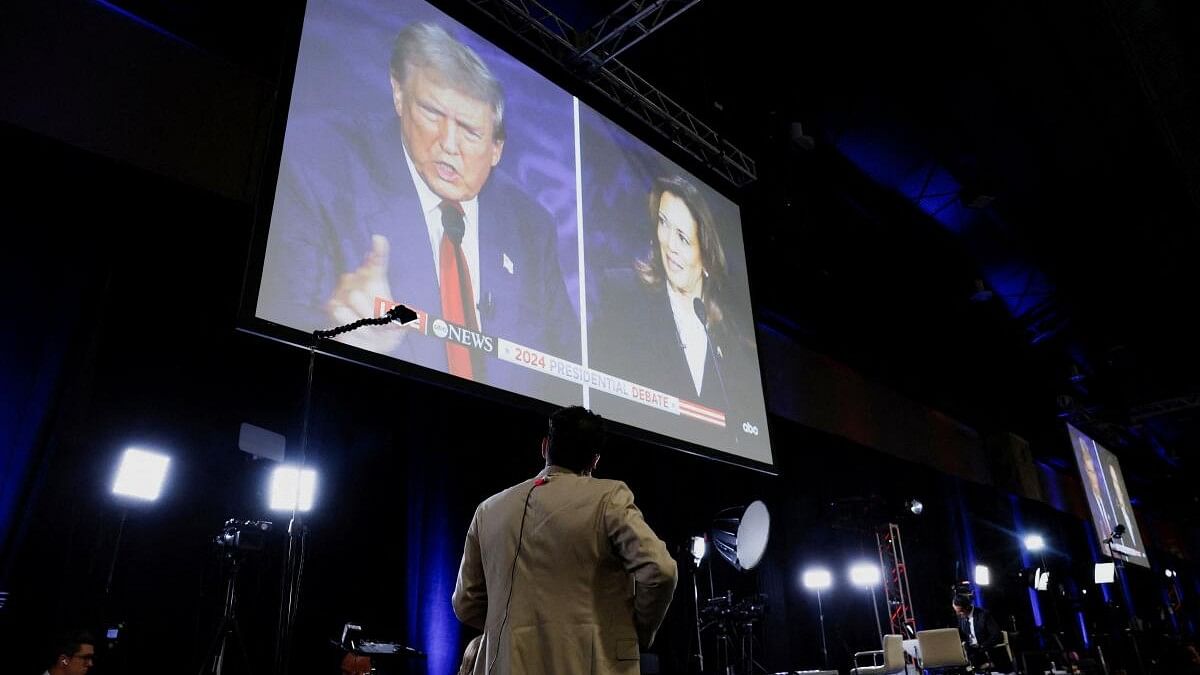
pixel 292 487
pixel 141 474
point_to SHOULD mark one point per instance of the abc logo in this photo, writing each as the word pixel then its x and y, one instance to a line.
pixel 749 428
pixel 439 328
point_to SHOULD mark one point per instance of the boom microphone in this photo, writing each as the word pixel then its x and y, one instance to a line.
pixel 699 309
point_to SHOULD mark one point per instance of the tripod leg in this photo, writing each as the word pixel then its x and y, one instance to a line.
pixel 211 664
pixel 241 646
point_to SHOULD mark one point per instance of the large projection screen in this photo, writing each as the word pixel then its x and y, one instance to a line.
pixel 547 252
pixel 1108 500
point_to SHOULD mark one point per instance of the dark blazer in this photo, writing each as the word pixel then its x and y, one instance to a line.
pixel 341 182
pixel 633 336
pixel 987 631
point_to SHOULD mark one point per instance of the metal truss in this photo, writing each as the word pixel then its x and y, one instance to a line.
pixel 629 24
pixel 896 593
pixel 1145 411
pixel 555 38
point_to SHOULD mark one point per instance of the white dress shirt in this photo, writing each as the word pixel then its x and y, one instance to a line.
pixel 692 335
pixel 431 207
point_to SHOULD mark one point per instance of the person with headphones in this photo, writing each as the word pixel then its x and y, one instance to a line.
pixel 561 572
pixel 74 654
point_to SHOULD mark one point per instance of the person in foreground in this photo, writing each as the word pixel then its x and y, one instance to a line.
pixel 74 654
pixel 561 572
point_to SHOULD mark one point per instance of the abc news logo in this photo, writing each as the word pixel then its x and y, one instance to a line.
pixel 749 428
pixel 466 336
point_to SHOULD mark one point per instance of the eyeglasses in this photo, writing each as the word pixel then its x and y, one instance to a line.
pixel 85 657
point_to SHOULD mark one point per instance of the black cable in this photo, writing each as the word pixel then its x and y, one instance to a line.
pixel 512 575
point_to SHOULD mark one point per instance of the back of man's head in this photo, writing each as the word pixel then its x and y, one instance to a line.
pixel 575 438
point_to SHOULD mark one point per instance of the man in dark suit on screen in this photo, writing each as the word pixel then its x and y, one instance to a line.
pixel 410 210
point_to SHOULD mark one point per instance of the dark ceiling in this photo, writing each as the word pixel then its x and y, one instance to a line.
pixel 1079 119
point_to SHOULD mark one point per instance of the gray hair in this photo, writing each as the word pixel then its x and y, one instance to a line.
pixel 428 45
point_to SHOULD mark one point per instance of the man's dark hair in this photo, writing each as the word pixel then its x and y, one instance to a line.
pixel 576 436
pixel 69 643
pixel 963 601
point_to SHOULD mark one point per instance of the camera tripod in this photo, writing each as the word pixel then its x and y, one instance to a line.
pixel 733 627
pixel 227 630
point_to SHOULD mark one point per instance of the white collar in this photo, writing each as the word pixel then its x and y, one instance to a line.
pixel 430 202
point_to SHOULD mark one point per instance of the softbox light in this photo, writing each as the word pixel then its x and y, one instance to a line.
pixel 740 534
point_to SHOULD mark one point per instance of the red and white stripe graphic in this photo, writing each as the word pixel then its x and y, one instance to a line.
pixel 421 325
pixel 702 413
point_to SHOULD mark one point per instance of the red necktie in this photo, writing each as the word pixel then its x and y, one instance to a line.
pixel 458 300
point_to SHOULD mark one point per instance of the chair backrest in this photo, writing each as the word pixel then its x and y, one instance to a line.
pixel 1004 643
pixel 941 648
pixel 893 653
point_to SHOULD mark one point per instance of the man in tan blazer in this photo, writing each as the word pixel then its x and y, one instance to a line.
pixel 561 572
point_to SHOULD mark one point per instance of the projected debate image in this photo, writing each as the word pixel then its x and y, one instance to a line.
pixel 546 251
pixel 1108 500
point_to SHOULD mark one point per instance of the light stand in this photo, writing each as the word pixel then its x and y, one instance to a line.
pixel 697 547
pixel 740 536
pixel 696 605
pixel 294 562
pixel 112 565
pixel 818 580
pixel 1119 576
pixel 875 606
pixel 868 576
pixel 1059 629
pixel 821 618
pixel 140 476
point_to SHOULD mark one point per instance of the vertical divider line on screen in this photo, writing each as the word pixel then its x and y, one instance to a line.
pixel 583 336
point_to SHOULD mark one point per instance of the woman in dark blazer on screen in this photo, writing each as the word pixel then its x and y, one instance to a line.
pixel 662 323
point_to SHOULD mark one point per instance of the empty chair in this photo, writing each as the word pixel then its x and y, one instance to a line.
pixel 941 648
pixel 1002 655
pixel 892 656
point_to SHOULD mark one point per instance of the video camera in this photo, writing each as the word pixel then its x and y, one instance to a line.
pixel 243 535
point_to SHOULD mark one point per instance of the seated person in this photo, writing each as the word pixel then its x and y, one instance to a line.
pixel 981 635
